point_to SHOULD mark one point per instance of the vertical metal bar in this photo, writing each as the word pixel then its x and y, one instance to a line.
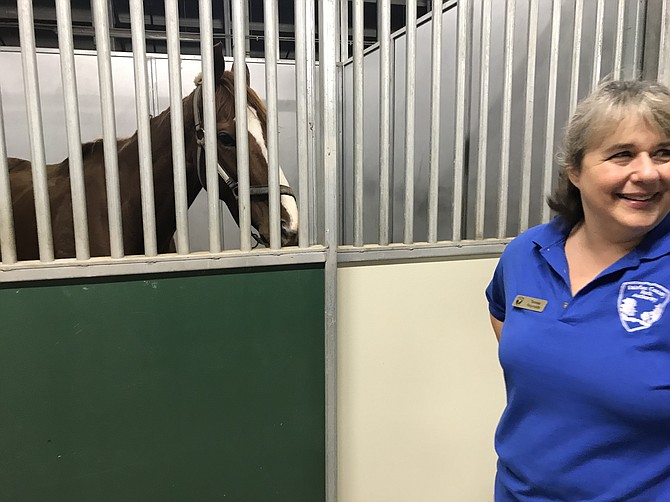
pixel 524 206
pixel 312 149
pixel 328 59
pixel 35 131
pixel 246 40
pixel 638 43
pixel 359 135
pixel 508 62
pixel 618 44
pixel 462 67
pixel 101 23
pixel 241 127
pixel 551 106
pixel 576 54
pixel 301 120
pixel 77 187
pixel 227 28
pixel 7 241
pixel 434 154
pixel 209 125
pixel 271 49
pixel 663 70
pixel 598 49
pixel 410 103
pixel 344 29
pixel 177 126
pixel 384 119
pixel 143 128
pixel 480 205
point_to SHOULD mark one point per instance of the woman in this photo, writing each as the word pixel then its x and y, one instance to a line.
pixel 579 308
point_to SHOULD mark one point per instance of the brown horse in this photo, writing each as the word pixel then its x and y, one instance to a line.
pixel 129 178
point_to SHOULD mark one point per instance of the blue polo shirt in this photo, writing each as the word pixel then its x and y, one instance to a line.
pixel 588 378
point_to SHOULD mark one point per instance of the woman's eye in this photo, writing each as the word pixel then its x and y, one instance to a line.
pixel 663 154
pixel 621 155
pixel 225 139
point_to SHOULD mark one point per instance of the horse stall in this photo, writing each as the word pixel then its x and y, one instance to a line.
pixel 312 325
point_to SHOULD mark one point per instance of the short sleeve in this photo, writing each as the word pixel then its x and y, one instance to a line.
pixel 495 293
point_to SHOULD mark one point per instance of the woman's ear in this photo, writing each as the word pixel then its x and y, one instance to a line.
pixel 573 175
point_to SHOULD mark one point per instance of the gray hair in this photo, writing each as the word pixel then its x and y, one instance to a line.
pixel 596 117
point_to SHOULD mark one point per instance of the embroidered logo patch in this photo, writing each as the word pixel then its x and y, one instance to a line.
pixel 641 304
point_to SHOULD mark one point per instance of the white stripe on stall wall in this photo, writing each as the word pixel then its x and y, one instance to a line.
pixel 598 49
pixel 436 85
pixel 503 190
pixel 384 120
pixel 359 136
pixel 77 187
pixel 301 120
pixel 618 44
pixel 209 125
pixel 143 131
pixel 663 70
pixel 177 126
pixel 576 54
pixel 241 128
pixel 101 23
pixel 551 106
pixel 524 206
pixel 462 72
pixel 271 50
pixel 35 131
pixel 483 119
pixel 7 241
pixel 410 103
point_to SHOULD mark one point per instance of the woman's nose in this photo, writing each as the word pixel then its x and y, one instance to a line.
pixel 646 170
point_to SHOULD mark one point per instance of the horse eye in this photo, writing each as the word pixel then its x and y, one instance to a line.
pixel 225 139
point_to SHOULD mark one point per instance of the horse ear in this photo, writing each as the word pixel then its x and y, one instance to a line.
pixel 247 69
pixel 219 63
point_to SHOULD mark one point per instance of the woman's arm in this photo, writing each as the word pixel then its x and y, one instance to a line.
pixel 497 327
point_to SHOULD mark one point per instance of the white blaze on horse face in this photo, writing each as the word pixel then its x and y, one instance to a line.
pixel 288 202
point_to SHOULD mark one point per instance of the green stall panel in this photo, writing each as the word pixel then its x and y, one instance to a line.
pixel 166 388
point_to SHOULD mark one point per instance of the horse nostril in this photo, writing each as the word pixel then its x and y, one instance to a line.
pixel 289 235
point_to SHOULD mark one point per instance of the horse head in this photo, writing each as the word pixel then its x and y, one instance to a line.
pixel 258 158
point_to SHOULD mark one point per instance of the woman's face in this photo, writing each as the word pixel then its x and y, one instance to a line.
pixel 625 181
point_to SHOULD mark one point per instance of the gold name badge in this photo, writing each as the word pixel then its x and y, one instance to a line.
pixel 529 303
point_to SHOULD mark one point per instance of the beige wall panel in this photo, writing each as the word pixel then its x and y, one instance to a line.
pixel 420 389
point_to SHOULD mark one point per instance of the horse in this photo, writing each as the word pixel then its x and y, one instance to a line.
pixel 129 178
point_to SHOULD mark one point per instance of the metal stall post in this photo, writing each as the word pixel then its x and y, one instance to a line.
pixel 328 47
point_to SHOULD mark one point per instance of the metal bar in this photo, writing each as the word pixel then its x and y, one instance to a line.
pixel 663 70
pixel 551 106
pixel 384 120
pixel 510 16
pixel 434 148
pixel 35 131
pixel 410 104
pixel 7 240
pixel 396 251
pixel 576 54
pixel 480 204
pixel 344 29
pixel 271 49
pixel 101 22
pixel 312 148
pixel 598 49
pixel 143 127
pixel 524 206
pixel 301 120
pixel 177 126
pixel 241 127
pixel 227 28
pixel 328 66
pixel 638 43
pixel 618 43
pixel 359 135
pixel 105 267
pixel 75 162
pixel 462 63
